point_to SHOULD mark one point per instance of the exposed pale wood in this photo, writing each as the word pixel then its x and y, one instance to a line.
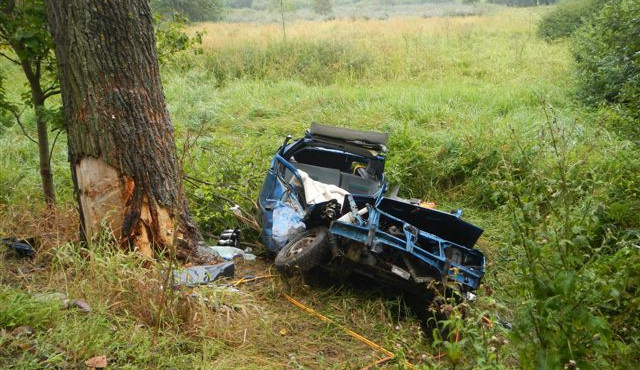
pixel 120 136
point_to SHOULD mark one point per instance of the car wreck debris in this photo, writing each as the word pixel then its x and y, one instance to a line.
pixel 227 247
pixel 230 237
pixel 202 275
pixel 21 247
pixel 229 253
pixel 323 204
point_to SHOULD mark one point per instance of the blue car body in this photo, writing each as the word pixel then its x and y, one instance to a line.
pixel 383 237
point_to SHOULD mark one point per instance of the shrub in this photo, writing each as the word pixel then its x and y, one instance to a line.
pixel 607 53
pixel 172 38
pixel 567 17
pixel 578 307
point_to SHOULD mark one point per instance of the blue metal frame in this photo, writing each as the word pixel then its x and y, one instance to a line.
pixel 367 232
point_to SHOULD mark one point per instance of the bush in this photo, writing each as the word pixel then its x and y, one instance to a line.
pixel 607 53
pixel 172 38
pixel 581 302
pixel 567 17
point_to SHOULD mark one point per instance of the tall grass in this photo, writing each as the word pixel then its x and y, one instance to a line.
pixel 466 101
pixel 492 48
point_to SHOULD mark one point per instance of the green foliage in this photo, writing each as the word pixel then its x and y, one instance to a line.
pixel 607 53
pixel 558 200
pixel 219 183
pixel 19 180
pixel 25 41
pixel 194 10
pixel 468 335
pixel 555 199
pixel 5 106
pixel 623 205
pixel 566 18
pixel 172 38
pixel 426 165
pixel 23 27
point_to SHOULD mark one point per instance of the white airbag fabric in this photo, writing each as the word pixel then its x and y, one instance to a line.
pixel 317 192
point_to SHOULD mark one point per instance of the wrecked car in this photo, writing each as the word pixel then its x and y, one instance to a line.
pixel 324 204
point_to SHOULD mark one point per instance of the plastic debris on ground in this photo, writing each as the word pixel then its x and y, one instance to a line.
pixel 230 237
pixel 229 253
pixel 199 275
pixel 63 301
pixel 22 247
pixel 52 297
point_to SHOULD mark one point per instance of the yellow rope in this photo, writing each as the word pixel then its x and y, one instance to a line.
pixel 389 355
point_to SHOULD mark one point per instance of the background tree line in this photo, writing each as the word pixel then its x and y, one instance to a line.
pixel 523 2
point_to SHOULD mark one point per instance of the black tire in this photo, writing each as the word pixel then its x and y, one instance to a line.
pixel 305 251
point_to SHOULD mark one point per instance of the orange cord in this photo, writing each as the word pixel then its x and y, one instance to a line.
pixel 389 355
pixel 488 321
pixel 243 280
pixel 379 362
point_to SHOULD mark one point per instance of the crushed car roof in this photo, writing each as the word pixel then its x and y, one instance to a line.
pixel 365 143
pixel 346 134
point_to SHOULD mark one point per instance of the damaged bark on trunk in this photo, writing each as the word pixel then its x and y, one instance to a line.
pixel 120 136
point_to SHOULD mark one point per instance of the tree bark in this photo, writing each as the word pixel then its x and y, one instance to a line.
pixel 120 137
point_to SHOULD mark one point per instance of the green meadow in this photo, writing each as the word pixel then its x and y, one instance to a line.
pixel 482 116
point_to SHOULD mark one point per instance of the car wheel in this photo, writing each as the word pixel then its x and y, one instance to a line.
pixel 305 251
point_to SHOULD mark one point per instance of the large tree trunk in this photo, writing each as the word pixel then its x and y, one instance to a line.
pixel 120 136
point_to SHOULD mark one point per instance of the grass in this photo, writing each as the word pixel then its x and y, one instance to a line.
pixel 466 100
pixel 253 327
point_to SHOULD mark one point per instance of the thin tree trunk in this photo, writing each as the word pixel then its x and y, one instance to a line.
pixel 120 137
pixel 45 164
pixel 38 98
